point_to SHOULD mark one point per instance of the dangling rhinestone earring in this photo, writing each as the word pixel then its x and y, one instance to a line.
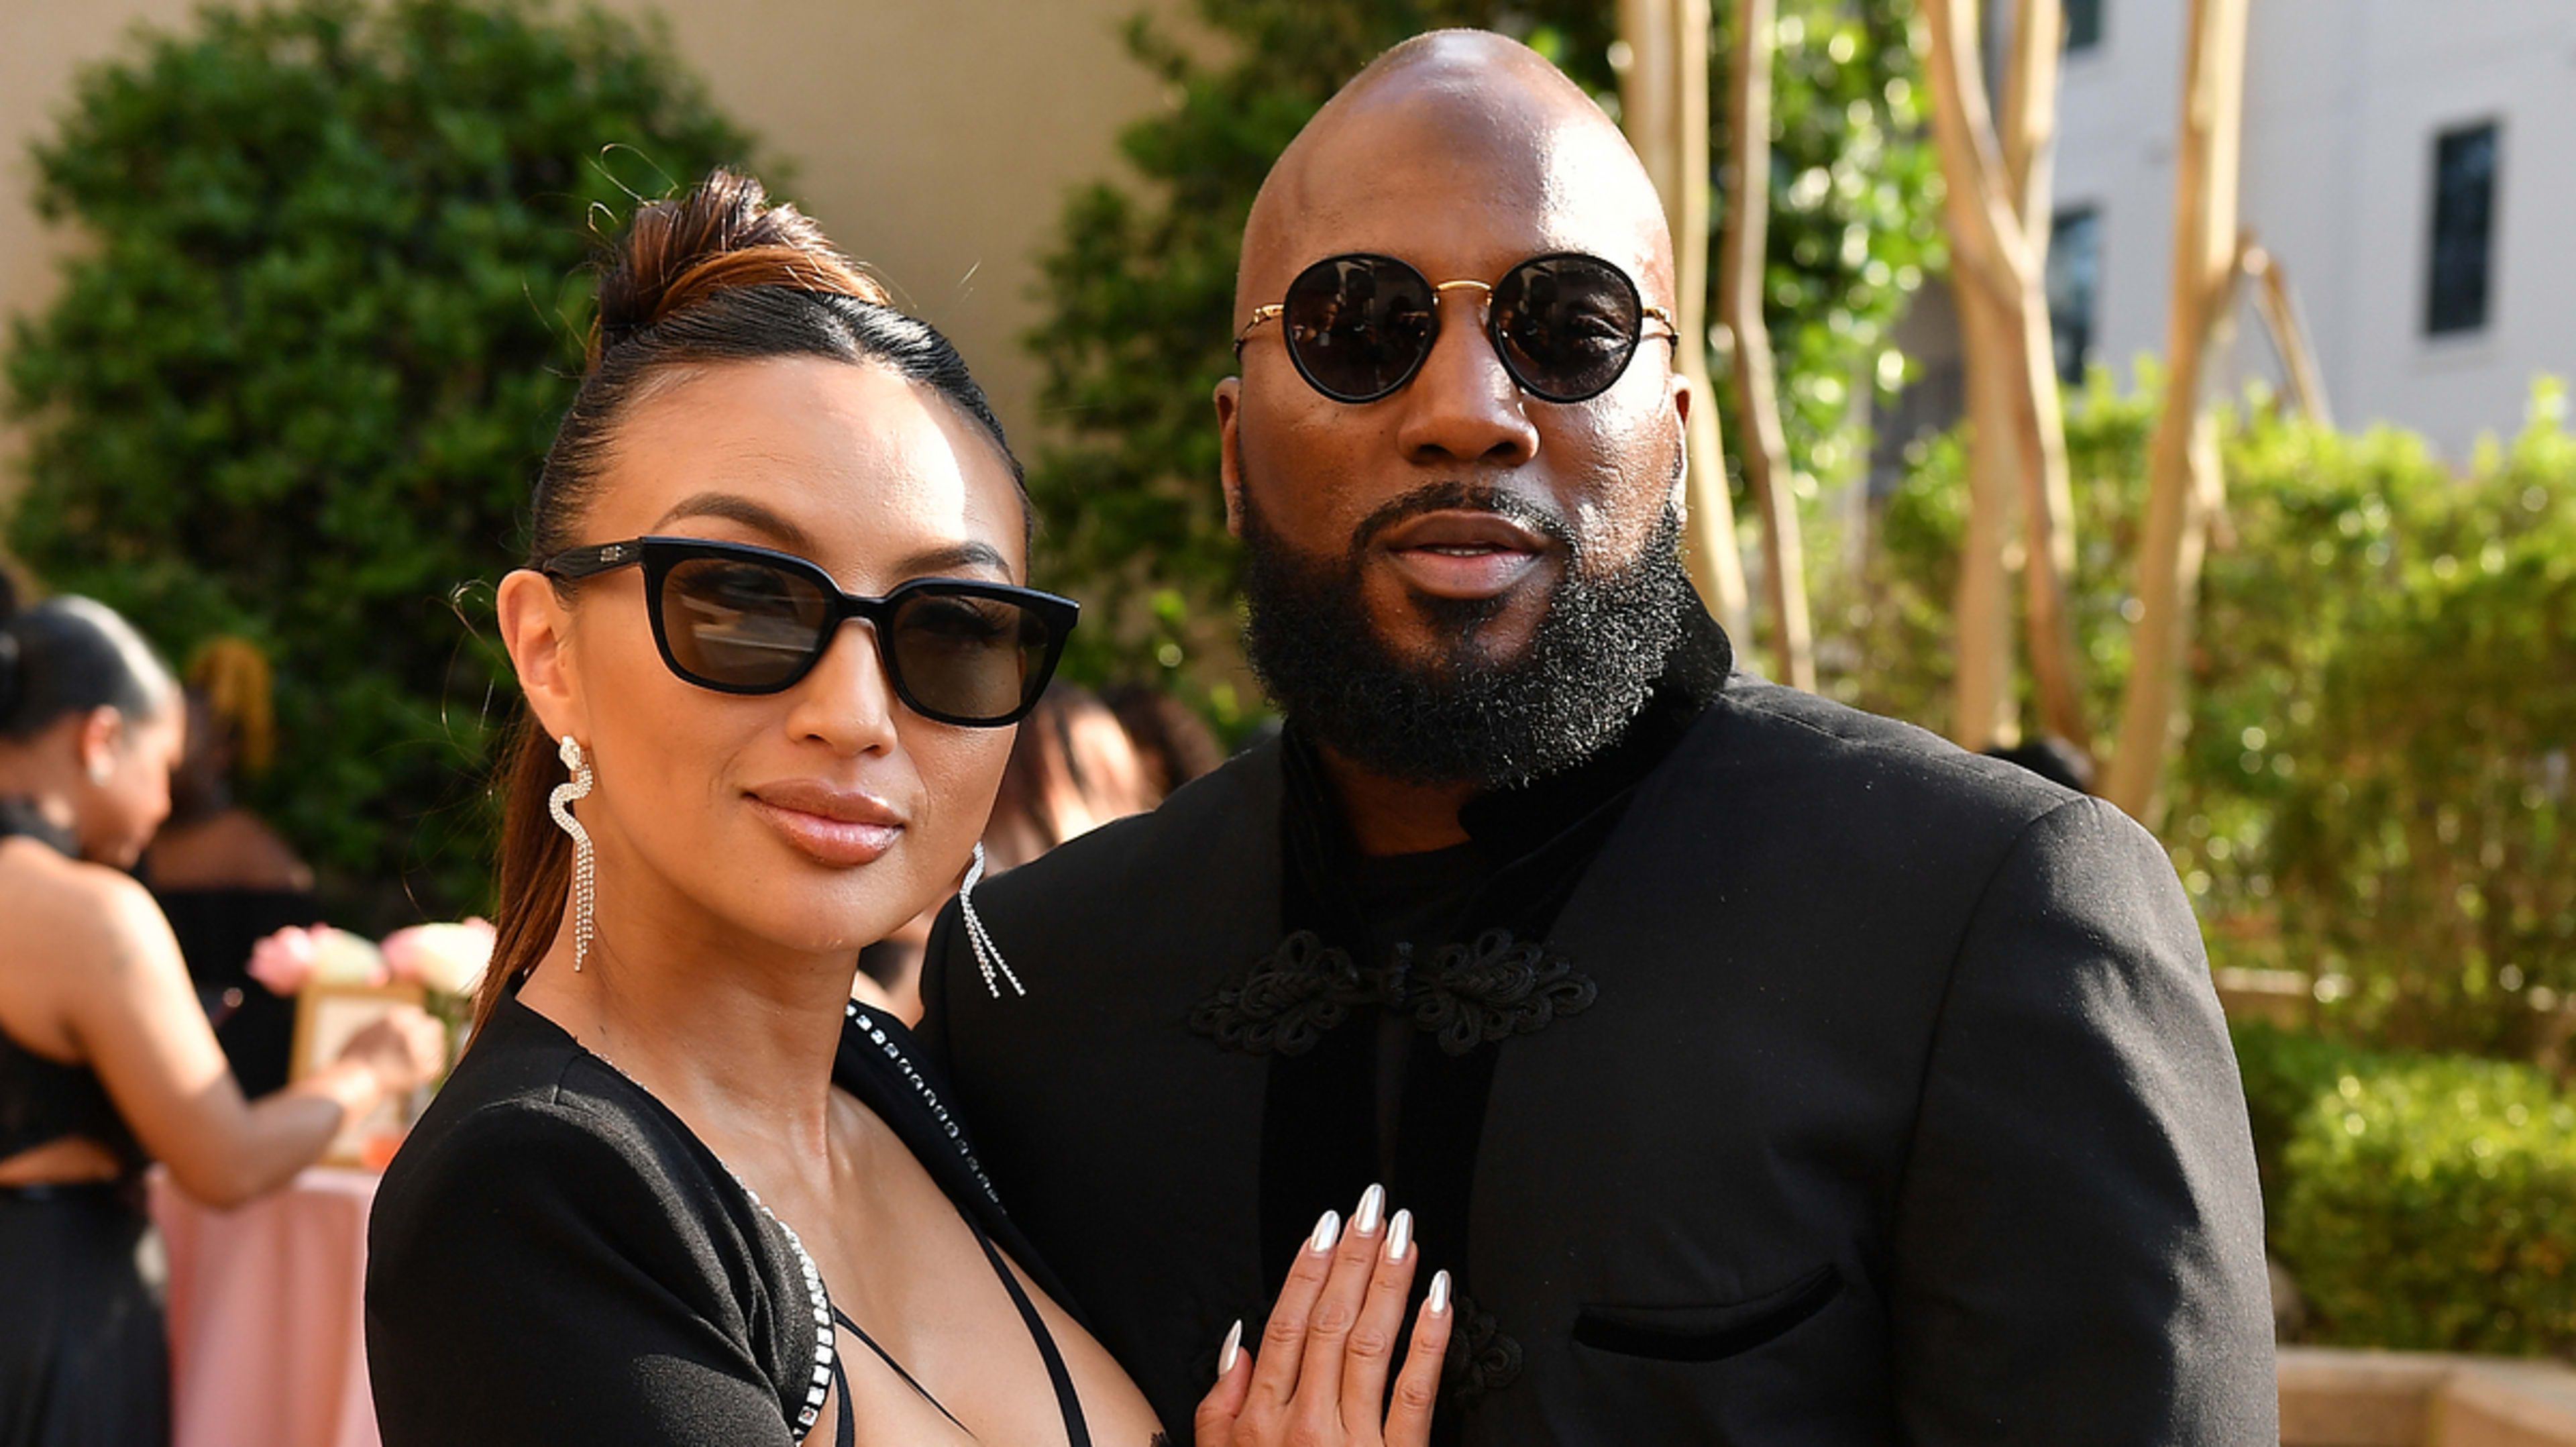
pixel 988 956
pixel 583 875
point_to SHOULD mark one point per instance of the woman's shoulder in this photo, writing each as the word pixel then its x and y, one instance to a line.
pixel 77 940
pixel 531 1126
pixel 235 849
pixel 72 902
pixel 546 1233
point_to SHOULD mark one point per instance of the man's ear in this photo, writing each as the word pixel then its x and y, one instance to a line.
pixel 536 628
pixel 1683 397
pixel 1229 457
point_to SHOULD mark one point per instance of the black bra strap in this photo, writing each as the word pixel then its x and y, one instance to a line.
pixel 848 1435
pixel 1077 1433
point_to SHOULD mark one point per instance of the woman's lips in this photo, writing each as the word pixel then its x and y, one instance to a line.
pixel 833 827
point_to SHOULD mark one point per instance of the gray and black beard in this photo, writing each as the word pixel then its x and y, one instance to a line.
pixel 1462 716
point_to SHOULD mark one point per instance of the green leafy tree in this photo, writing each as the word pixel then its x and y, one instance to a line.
pixel 1140 285
pixel 300 373
pixel 2374 788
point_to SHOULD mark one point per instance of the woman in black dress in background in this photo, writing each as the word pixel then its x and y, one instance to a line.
pixel 681 1190
pixel 105 1058
pixel 225 879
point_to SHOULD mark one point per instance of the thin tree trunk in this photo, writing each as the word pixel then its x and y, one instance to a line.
pixel 1984 279
pixel 2028 143
pixel 1765 447
pixel 1983 708
pixel 1663 104
pixel 1998 223
pixel 2280 313
pixel 2182 455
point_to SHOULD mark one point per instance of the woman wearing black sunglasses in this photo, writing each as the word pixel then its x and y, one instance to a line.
pixel 681 1190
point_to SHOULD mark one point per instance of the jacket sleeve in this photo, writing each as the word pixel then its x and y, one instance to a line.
pixel 2079 1237
pixel 947 939
pixel 528 1283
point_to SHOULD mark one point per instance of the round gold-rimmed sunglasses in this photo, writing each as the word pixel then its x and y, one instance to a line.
pixel 1358 326
pixel 746 620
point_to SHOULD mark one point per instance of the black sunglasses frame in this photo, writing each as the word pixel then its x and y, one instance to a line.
pixel 1277 311
pixel 658 555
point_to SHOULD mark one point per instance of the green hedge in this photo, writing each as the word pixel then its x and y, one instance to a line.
pixel 2421 1201
pixel 2375 786
pixel 321 304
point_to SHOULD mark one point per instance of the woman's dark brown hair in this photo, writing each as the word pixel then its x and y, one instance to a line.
pixel 718 275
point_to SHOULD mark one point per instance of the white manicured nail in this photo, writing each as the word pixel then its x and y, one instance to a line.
pixel 1399 1237
pixel 1372 1208
pixel 1440 1293
pixel 1328 1229
pixel 1233 1349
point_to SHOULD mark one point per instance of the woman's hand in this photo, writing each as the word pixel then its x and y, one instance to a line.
pixel 1321 1376
pixel 403 1050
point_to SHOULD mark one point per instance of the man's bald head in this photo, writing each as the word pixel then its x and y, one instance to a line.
pixel 1466 106
pixel 1461 581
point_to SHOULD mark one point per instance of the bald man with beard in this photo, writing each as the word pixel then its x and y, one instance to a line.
pixel 1763 1071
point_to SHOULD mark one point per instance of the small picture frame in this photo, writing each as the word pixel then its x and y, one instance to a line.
pixel 326 1016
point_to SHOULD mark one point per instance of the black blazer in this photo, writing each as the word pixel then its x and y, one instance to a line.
pixel 1904 1112
pixel 555 1258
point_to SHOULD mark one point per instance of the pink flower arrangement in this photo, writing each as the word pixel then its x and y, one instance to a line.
pixel 444 958
pixel 298 955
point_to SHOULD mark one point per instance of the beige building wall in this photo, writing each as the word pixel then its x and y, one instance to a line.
pixel 934 139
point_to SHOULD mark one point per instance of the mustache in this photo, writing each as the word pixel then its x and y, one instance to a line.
pixel 1454 496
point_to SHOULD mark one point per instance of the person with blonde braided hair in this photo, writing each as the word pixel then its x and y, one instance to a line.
pixel 225 877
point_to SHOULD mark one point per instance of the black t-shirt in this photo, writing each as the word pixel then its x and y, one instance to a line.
pixel 1421 900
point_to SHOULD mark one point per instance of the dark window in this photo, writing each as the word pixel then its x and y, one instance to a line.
pixel 2083 24
pixel 2074 279
pixel 2464 204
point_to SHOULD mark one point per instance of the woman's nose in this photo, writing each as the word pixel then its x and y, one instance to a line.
pixel 848 701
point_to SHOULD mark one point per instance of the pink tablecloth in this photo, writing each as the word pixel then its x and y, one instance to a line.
pixel 267 1315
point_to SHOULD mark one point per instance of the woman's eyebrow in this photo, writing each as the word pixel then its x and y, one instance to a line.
pixel 733 507
pixel 952 557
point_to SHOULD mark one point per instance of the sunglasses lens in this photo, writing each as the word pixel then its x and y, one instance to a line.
pixel 733 623
pixel 1358 325
pixel 1566 325
pixel 968 658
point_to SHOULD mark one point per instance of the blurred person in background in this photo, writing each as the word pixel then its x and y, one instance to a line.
pixel 2052 758
pixel 1175 742
pixel 1074 767
pixel 225 879
pixel 106 1060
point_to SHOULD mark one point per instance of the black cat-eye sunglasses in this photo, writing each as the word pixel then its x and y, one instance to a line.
pixel 740 619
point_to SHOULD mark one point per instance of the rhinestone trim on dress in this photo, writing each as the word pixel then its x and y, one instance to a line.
pixel 821 1299
pixel 929 1097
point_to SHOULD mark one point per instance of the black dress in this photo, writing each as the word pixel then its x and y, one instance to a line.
pixel 216 930
pixel 84 1361
pixel 556 1258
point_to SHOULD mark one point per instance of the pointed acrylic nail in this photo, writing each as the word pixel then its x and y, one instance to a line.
pixel 1233 1348
pixel 1440 1293
pixel 1372 1210
pixel 1328 1229
pixel 1399 1237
